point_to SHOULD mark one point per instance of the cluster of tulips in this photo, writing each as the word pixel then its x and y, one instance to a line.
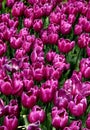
pixel 44 65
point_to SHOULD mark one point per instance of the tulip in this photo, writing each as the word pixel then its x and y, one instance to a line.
pixel 3 48
pixel 65 46
pixel 47 90
pixel 10 3
pixel 17 9
pixel 88 51
pixel 78 29
pixel 83 40
pixel 28 22
pixel 38 12
pixel 29 98
pixel 78 106
pixel 47 8
pixel 12 108
pixel 71 18
pixel 50 56
pixel 15 42
pixel 1 107
pixel 38 69
pixel 36 114
pixel 84 67
pixel 59 117
pixel 53 38
pixel 38 24
pixel 17 87
pixel 65 27
pixel 88 121
pixel 34 126
pixel 3 128
pixel 28 12
pixel 6 88
pixel 11 122
pixel 61 99
pixel 74 125
pixel 55 17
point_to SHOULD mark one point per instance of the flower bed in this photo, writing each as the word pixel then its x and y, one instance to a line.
pixel 44 65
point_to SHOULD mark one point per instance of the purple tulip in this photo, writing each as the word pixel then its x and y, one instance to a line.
pixel 78 105
pixel 16 42
pixel 83 40
pixel 32 2
pixel 55 18
pixel 17 85
pixel 34 126
pixel 38 71
pixel 18 9
pixel 36 114
pixel 53 38
pixel 28 12
pixel 10 3
pixel 1 107
pixel 50 56
pixel 11 122
pixel 19 53
pixel 85 67
pixel 3 128
pixel 59 117
pixel 88 14
pixel 38 24
pixel 28 22
pixel 29 98
pixel 88 51
pixel 6 88
pixel 85 88
pixel 74 125
pixel 65 45
pixel 47 8
pixel 88 121
pixel 71 18
pixel 3 48
pixel 38 12
pixel 47 90
pixel 12 108
pixel 61 99
pixel 78 29
pixel 65 27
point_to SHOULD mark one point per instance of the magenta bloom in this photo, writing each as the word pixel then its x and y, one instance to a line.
pixel 85 67
pixel 36 114
pixel 17 9
pixel 65 45
pixel 47 90
pixel 78 105
pixel 29 98
pixel 88 121
pixel 11 122
pixel 59 117
pixel 65 27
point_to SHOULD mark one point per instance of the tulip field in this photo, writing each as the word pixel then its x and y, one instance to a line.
pixel 44 64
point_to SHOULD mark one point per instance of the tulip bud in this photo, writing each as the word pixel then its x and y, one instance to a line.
pixel 10 3
pixel 3 48
pixel 11 122
pixel 28 22
pixel 36 114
